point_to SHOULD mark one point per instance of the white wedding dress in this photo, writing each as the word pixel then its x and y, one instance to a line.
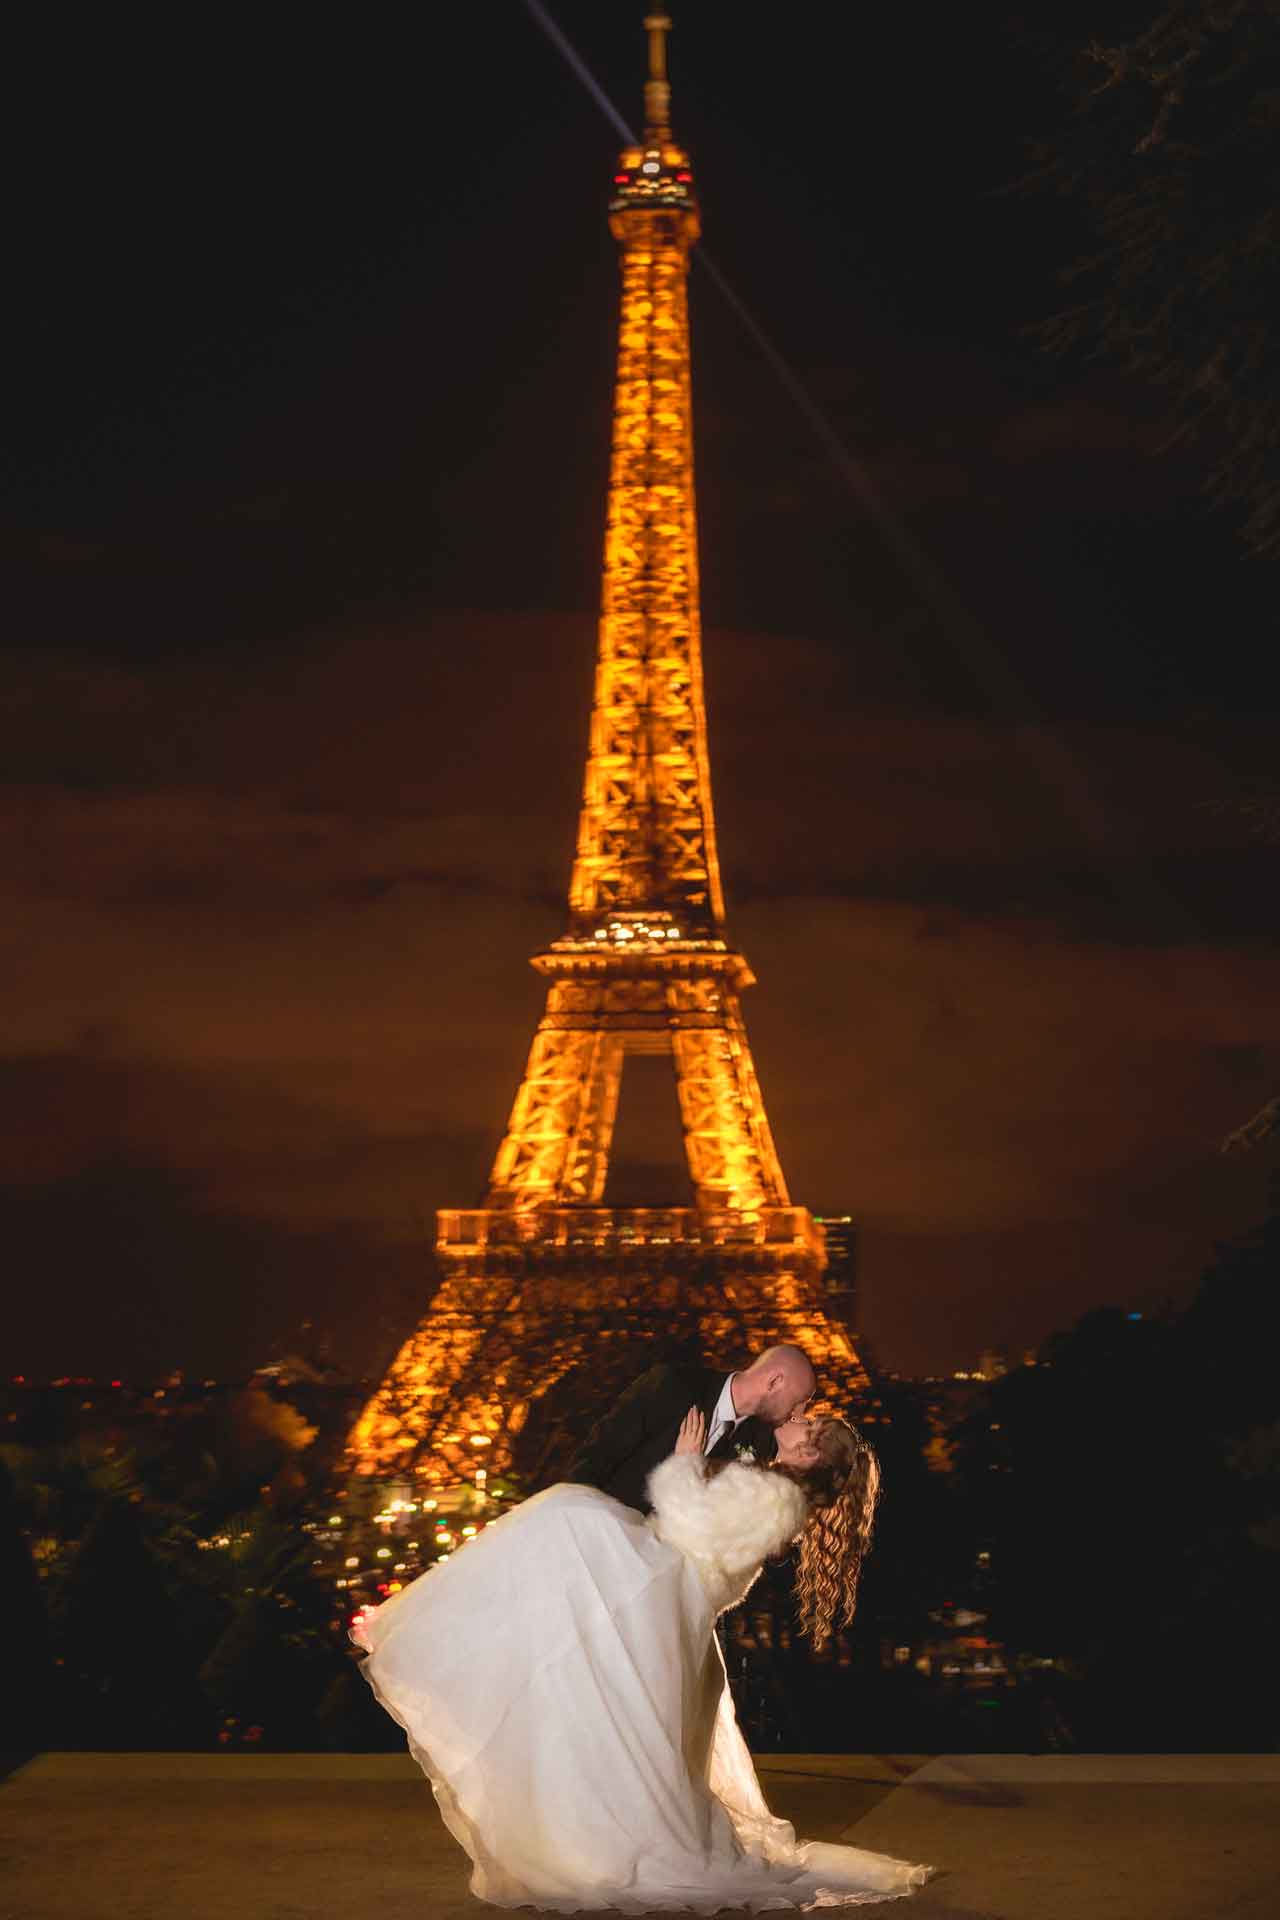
pixel 563 1690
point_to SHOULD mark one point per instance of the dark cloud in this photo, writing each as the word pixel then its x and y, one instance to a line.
pixel 284 971
pixel 124 1269
pixel 1157 899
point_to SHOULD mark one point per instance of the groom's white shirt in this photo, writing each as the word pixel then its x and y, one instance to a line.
pixel 724 1415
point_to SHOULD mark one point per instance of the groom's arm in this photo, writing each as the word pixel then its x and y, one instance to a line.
pixel 648 1403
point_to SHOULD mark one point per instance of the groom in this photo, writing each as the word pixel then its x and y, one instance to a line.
pixel 741 1410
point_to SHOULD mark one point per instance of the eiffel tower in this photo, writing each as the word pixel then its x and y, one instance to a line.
pixel 550 1300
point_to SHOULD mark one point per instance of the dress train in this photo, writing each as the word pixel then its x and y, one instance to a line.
pixel 561 1686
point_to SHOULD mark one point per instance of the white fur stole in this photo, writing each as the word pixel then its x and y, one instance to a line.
pixel 726 1525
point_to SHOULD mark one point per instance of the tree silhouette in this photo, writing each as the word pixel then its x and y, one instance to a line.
pixel 29 1701
pixel 1170 155
pixel 279 1654
pixel 1129 1486
pixel 126 1680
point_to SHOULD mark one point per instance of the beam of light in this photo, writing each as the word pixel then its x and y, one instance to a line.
pixel 990 669
pixel 987 664
pixel 583 71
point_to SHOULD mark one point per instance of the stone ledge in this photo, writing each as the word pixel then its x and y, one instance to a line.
pixel 155 1836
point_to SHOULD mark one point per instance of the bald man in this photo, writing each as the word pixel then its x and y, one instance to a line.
pixel 741 1411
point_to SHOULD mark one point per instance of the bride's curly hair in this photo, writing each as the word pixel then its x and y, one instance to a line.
pixel 843 1489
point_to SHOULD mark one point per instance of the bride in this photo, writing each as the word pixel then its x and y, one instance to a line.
pixel 561 1685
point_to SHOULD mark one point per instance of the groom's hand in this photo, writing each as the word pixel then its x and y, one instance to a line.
pixel 693 1431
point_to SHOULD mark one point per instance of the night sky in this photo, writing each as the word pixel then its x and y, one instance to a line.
pixel 311 343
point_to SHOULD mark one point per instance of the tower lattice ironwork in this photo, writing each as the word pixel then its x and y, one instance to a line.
pixel 548 1298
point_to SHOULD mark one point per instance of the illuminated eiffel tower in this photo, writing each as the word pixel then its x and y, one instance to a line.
pixel 549 1300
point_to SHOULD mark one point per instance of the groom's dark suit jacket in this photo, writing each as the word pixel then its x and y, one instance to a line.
pixel 640 1429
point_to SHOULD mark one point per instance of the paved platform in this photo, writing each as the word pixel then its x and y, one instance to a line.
pixel 102 1836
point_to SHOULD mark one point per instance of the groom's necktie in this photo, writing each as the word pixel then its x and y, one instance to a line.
pixel 722 1421
pixel 724 1445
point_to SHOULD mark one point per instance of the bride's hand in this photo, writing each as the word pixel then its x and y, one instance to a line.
pixel 693 1431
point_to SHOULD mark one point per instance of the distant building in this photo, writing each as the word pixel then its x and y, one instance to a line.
pixel 841 1277
pixel 290 1368
pixel 992 1363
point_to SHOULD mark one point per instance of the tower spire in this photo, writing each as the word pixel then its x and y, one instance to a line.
pixel 646 837
pixel 657 93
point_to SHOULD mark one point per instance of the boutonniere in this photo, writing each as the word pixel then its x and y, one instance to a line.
pixel 746 1454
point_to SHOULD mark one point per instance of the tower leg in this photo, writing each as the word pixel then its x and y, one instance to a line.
pixel 732 1159
pixel 556 1146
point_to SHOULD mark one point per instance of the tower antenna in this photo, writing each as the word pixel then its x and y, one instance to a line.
pixel 657 92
